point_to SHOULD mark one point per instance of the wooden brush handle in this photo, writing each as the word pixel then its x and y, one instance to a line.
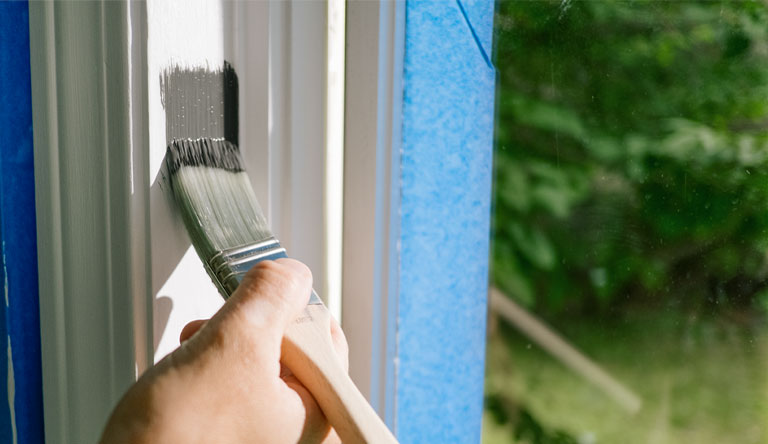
pixel 308 352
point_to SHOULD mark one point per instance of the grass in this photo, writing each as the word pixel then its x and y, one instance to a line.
pixel 702 381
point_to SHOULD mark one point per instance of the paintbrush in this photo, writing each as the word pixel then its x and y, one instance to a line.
pixel 230 233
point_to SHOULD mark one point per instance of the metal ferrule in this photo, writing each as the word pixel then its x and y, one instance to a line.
pixel 227 268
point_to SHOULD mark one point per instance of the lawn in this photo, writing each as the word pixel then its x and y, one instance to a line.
pixel 701 380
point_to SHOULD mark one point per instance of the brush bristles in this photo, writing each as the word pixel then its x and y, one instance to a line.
pixel 213 153
pixel 214 195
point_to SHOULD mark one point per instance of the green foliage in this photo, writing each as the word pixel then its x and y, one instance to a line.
pixel 701 380
pixel 632 146
pixel 526 428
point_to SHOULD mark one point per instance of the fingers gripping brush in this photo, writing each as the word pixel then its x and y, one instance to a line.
pixel 230 234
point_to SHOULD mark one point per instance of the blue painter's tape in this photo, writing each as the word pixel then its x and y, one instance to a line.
pixel 446 165
pixel 481 46
pixel 21 413
pixel 479 15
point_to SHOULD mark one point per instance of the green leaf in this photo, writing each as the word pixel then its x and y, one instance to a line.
pixel 533 245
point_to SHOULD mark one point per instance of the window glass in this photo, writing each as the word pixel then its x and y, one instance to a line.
pixel 631 217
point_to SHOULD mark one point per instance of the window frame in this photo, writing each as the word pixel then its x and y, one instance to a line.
pixel 93 312
pixel 96 121
pixel 91 355
pixel 375 45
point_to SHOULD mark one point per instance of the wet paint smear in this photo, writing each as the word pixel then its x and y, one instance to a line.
pixel 200 102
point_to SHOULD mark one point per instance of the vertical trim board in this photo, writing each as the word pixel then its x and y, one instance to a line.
pixel 87 126
pixel 306 151
pixel 374 51
pixel 390 365
pixel 448 104
pixel 360 136
pixel 21 408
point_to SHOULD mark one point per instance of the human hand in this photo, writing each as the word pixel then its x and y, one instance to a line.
pixel 225 384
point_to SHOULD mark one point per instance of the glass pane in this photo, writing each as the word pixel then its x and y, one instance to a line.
pixel 631 217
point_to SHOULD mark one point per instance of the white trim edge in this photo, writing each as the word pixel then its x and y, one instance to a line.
pixel 375 39
pixel 87 70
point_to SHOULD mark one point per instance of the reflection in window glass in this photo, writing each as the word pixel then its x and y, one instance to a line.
pixel 631 216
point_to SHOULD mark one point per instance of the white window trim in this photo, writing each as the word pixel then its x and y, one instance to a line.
pixel 374 56
pixel 91 126
pixel 296 134
pixel 89 120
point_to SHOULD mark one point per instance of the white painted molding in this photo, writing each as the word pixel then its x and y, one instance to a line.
pixel 87 68
pixel 110 246
pixel 250 26
pixel 297 130
pixel 334 155
pixel 374 56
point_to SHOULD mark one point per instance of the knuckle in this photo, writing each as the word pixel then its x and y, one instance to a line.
pixel 264 267
pixel 288 274
pixel 283 276
pixel 301 276
pixel 293 283
pixel 218 338
pixel 259 275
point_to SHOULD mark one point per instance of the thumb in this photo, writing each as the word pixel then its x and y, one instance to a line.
pixel 252 322
pixel 271 295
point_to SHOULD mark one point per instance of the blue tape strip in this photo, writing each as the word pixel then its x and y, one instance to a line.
pixel 480 45
pixel 21 414
pixel 446 171
pixel 479 16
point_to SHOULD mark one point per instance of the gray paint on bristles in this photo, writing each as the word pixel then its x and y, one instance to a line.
pixel 218 205
pixel 213 153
